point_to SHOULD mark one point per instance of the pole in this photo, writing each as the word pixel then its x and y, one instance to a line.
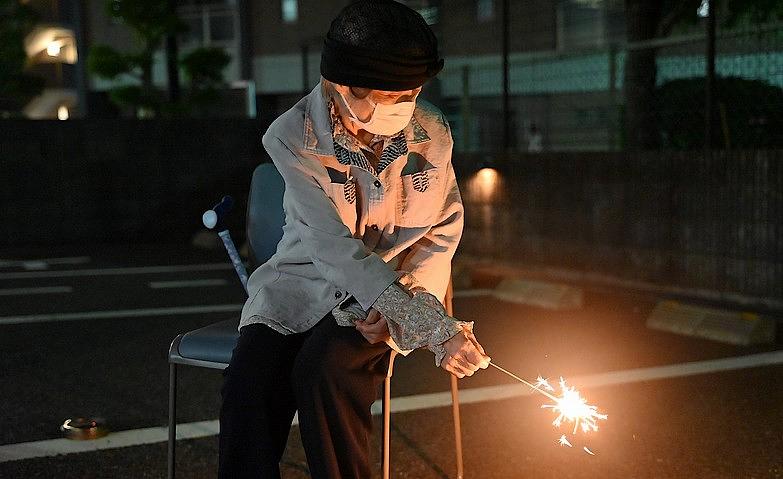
pixel 447 300
pixel 245 40
pixel 613 120
pixel 506 109
pixel 465 110
pixel 82 83
pixel 709 84
pixel 172 63
pixel 305 69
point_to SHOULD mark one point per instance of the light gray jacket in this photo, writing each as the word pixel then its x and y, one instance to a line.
pixel 348 232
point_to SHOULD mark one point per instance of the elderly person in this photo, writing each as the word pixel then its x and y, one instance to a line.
pixel 373 217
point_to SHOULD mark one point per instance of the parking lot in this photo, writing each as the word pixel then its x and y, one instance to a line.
pixel 85 332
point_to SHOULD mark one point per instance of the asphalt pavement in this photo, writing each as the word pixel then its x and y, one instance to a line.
pixel 85 332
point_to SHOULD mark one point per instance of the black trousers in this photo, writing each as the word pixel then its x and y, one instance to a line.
pixel 330 374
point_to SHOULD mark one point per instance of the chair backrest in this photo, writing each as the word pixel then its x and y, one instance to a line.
pixel 265 217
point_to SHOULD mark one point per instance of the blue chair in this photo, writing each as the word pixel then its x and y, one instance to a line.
pixel 211 346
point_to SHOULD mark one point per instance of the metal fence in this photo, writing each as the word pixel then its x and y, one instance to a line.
pixel 576 100
pixel 675 219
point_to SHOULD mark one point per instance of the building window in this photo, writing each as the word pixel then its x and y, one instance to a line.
pixel 485 10
pixel 221 28
pixel 210 23
pixel 290 9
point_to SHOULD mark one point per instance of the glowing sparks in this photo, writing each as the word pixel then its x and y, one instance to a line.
pixel 588 451
pixel 542 382
pixel 563 441
pixel 571 406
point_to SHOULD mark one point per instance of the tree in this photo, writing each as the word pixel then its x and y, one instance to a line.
pixel 649 19
pixel 751 113
pixel 16 86
pixel 152 21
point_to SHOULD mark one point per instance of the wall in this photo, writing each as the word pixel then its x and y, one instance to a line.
pixel 120 180
pixel 670 218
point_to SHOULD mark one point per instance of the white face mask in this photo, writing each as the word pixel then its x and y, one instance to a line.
pixel 385 119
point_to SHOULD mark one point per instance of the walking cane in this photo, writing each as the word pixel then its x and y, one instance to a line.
pixel 213 219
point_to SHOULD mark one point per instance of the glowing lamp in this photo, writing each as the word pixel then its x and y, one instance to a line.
pixel 51 44
pixel 484 184
pixel 54 47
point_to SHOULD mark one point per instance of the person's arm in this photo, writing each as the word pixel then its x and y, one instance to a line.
pixel 341 259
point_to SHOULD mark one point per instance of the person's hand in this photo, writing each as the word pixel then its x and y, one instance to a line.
pixel 464 355
pixel 374 328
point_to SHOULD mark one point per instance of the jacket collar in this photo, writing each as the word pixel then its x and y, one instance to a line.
pixel 318 131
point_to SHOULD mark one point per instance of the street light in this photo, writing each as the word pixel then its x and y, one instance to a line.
pixel 51 44
pixel 54 48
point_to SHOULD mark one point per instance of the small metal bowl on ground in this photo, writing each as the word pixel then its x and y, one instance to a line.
pixel 84 429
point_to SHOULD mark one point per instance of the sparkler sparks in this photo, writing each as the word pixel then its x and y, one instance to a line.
pixel 563 441
pixel 570 406
pixel 541 382
pixel 588 451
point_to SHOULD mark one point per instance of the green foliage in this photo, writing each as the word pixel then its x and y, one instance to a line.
pixel 204 66
pixel 752 113
pixel 108 63
pixel 203 70
pixel 151 21
pixel 16 86
pixel 753 11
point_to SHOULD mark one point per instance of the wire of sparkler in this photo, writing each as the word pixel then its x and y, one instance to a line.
pixel 532 386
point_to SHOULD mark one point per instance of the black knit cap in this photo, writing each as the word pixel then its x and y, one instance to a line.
pixel 382 45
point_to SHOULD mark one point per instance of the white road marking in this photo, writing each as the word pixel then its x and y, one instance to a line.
pixel 134 313
pixel 43 262
pixel 123 313
pixel 118 271
pixel 472 293
pixel 193 430
pixel 191 283
pixel 41 290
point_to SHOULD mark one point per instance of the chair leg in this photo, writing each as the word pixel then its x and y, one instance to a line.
pixel 172 419
pixel 457 425
pixel 454 391
pixel 387 416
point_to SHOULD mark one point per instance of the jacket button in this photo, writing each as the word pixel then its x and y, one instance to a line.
pixel 377 184
pixel 338 294
pixel 375 227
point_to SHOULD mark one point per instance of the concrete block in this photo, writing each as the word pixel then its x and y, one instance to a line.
pixel 732 327
pixel 539 293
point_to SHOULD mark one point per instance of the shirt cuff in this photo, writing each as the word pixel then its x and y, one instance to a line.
pixel 418 321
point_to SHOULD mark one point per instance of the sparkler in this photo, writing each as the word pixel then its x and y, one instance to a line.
pixel 570 406
pixel 563 441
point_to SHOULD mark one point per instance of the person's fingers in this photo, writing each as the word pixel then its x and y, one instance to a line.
pixel 450 367
pixel 373 316
pixel 379 327
pixel 459 364
pixel 373 333
pixel 464 361
pixel 484 360
pixel 473 340
pixel 474 358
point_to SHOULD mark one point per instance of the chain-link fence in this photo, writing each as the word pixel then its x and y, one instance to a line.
pixel 577 100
